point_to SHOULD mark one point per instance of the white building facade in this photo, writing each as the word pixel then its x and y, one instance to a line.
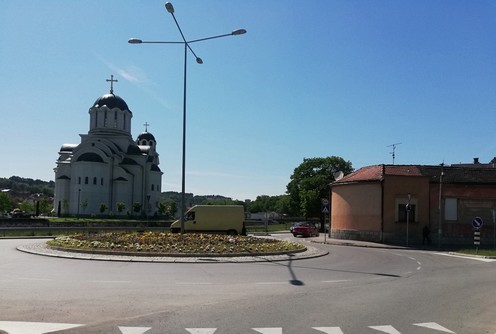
pixel 108 173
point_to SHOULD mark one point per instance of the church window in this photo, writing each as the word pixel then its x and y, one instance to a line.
pixel 124 122
pixel 101 181
pixel 85 180
pixel 105 119
pixel 94 180
pixel 153 187
pixel 79 180
pixel 115 120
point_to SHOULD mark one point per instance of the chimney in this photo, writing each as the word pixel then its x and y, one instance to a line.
pixel 476 161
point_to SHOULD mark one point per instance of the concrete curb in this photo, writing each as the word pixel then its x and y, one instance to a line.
pixel 44 250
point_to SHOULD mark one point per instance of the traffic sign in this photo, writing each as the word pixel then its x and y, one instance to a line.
pixel 325 208
pixel 477 223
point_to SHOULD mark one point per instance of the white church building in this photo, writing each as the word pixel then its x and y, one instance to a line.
pixel 108 172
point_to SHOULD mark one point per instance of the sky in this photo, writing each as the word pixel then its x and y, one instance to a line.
pixel 346 78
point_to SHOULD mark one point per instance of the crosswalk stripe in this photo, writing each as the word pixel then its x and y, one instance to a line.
pixel 433 325
pixel 134 330
pixel 271 330
pixel 18 327
pixel 385 329
pixel 329 330
pixel 201 330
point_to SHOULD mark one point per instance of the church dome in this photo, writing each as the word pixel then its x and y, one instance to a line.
pixel 111 101
pixel 145 136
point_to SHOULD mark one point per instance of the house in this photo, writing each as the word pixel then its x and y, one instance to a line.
pixel 372 203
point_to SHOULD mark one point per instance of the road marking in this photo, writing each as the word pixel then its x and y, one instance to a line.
pixel 201 330
pixel 433 325
pixel 134 330
pixel 329 330
pixel 467 257
pixel 273 330
pixel 18 327
pixel 385 329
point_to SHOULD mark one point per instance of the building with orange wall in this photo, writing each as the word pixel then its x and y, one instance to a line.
pixel 371 203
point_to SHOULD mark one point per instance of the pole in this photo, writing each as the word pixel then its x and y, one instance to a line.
pixel 183 177
pixel 440 216
pixel 408 218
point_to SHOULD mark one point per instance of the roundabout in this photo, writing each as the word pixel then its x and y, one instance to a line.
pixel 167 248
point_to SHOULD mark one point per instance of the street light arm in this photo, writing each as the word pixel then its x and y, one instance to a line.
pixel 234 33
pixel 139 41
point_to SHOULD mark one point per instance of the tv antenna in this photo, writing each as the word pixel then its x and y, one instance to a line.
pixel 393 153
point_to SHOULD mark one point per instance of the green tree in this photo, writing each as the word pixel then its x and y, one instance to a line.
pixel 103 208
pixel 310 183
pixel 6 202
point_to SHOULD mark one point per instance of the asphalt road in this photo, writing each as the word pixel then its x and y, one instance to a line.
pixel 352 290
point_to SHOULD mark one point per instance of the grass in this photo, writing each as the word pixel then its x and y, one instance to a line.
pixel 483 252
pixel 168 243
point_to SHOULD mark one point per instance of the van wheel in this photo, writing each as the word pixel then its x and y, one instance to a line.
pixel 232 232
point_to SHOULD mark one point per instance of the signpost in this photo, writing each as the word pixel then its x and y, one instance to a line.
pixel 477 224
pixel 325 211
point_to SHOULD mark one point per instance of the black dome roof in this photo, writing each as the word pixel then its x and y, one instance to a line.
pixel 146 136
pixel 111 101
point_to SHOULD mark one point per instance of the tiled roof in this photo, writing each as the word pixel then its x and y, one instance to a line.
pixel 465 175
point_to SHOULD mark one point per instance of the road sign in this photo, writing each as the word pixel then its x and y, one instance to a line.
pixel 325 208
pixel 477 223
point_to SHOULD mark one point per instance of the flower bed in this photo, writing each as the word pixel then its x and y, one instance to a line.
pixel 159 243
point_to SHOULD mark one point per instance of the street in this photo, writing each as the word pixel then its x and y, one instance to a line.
pixel 350 290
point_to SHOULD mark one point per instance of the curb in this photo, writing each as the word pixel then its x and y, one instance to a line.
pixel 44 250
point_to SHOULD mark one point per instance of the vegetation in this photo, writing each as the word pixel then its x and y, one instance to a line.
pixel 168 243
pixel 310 184
pixel 481 252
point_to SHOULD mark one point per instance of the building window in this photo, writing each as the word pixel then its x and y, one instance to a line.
pixel 451 209
pixel 85 180
pixel 402 213
pixel 153 187
pixel 94 181
pixel 79 180
pixel 101 181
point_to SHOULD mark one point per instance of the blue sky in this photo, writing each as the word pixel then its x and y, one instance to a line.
pixel 310 79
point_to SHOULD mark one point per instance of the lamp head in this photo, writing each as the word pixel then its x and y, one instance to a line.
pixel 135 41
pixel 169 7
pixel 199 60
pixel 239 32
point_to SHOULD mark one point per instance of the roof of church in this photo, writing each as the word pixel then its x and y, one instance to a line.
pixel 146 135
pixel 111 101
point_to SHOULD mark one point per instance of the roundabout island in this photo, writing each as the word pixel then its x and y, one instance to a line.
pixel 164 247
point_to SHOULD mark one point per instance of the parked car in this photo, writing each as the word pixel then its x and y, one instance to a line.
pixel 305 229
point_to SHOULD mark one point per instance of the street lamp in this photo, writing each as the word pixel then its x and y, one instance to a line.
pixel 187 46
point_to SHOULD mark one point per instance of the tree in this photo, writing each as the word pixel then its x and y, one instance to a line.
pixel 310 183
pixel 6 202
pixel 103 208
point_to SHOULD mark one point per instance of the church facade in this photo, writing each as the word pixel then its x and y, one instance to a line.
pixel 108 173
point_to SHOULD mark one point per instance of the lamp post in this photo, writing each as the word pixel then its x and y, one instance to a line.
pixel 187 46
pixel 408 208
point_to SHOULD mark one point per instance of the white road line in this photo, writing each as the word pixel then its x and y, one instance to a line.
pixel 329 330
pixel 17 327
pixel 385 329
pixel 467 257
pixel 272 330
pixel 433 325
pixel 201 330
pixel 134 330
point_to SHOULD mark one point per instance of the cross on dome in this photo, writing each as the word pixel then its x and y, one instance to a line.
pixel 112 80
pixel 146 126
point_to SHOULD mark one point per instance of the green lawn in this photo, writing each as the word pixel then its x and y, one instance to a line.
pixel 483 252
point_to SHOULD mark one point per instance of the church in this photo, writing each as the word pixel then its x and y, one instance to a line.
pixel 109 173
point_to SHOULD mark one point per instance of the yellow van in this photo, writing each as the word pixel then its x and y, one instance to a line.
pixel 227 219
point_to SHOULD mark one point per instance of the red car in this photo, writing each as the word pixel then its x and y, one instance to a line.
pixel 305 229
